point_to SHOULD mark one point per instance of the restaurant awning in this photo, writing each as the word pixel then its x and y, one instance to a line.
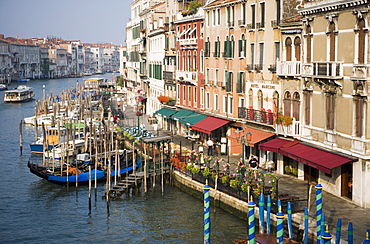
pixel 311 156
pixel 181 114
pixel 257 135
pixel 209 124
pixel 165 112
pixel 314 157
pixel 274 144
pixel 192 119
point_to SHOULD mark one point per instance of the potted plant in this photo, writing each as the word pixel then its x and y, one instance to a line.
pixel 225 180
pixel 234 183
pixel 206 171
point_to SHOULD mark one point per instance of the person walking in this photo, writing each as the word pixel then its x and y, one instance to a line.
pixel 210 147
pixel 253 165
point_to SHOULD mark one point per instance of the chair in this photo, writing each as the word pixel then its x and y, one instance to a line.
pixel 270 166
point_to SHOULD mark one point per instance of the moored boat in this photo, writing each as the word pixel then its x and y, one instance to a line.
pixel 20 94
pixel 3 87
pixel 66 174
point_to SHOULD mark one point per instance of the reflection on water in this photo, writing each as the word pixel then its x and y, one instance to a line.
pixel 35 211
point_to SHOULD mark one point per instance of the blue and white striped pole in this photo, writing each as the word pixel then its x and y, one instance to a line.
pixel 262 213
pixel 318 211
pixel 251 225
pixel 268 216
pixel 280 227
pixel 337 231
pixel 290 223
pixel 305 225
pixel 207 219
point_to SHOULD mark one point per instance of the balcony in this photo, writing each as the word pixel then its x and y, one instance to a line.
pixel 188 76
pixel 288 68
pixel 190 41
pixel 241 23
pixel 260 116
pixel 221 84
pixel 230 24
pixel 323 70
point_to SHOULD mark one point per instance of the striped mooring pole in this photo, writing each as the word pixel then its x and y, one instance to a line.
pixel 280 227
pixel 261 205
pixel 318 211
pixel 326 237
pixel 251 225
pixel 207 219
pixel 337 231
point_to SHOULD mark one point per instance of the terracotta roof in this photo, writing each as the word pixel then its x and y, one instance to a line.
pixel 221 2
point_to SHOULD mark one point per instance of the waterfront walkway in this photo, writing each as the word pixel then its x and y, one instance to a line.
pixel 333 207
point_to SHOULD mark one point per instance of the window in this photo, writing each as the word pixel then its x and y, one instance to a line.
pixel 216 77
pixel 207 100
pixel 309 41
pixel 253 10
pixel 307 109
pixel 224 104
pixel 207 76
pixel 287 103
pixel 242 44
pixel 288 49
pixel 230 105
pixel 190 66
pixel 215 102
pixel 361 41
pixel 217 48
pixel 359 119
pixel 330 105
pixel 332 41
pixel 214 17
pixel 277 51
pixel 189 94
pixel 207 47
pixel 195 64
pixel 252 54
pixel 195 96
pixel 218 17
pixel 202 61
pixel 297 48
pixel 261 56
pixel 202 96
pixel 296 105
pixel 260 99
pixel 178 93
pixel 183 61
pixel 250 96
pixel 184 93
pixel 262 5
pixel 229 81
pixel 240 83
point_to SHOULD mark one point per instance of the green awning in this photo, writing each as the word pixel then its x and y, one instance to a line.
pixel 165 112
pixel 193 119
pixel 182 114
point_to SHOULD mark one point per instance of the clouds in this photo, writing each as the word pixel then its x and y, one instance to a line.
pixel 85 20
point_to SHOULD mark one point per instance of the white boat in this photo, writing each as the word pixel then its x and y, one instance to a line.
pixel 65 150
pixel 20 94
pixel 3 87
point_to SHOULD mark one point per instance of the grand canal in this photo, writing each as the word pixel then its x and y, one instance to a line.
pixel 35 211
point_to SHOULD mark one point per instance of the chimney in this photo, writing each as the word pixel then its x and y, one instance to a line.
pixel 1 36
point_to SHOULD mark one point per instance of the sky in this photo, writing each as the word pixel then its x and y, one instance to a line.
pixel 90 21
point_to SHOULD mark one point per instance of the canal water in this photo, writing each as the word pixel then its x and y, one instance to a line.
pixel 35 211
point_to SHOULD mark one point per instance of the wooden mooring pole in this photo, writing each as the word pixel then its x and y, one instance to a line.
pixel 20 137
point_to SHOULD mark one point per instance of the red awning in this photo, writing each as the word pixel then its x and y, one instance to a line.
pixel 257 135
pixel 275 144
pixel 209 124
pixel 316 158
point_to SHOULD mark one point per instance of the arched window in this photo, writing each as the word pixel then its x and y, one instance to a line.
pixel 250 95
pixel 296 105
pixel 361 41
pixel 297 48
pixel 332 41
pixel 309 43
pixel 232 48
pixel 288 49
pixel 287 103
pixel 260 99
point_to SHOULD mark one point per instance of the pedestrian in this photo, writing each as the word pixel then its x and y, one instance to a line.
pixel 253 165
pixel 210 147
